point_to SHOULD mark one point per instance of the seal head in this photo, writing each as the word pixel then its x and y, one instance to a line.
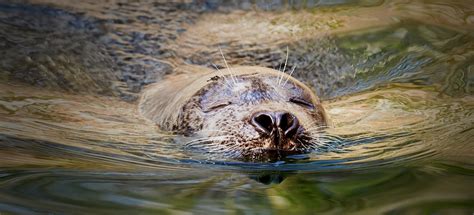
pixel 243 112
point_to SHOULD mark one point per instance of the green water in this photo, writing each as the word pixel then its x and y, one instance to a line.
pixel 396 78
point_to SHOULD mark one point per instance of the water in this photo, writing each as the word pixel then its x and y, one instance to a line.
pixel 397 80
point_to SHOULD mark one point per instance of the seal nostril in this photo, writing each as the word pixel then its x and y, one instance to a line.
pixel 264 122
pixel 288 123
pixel 285 121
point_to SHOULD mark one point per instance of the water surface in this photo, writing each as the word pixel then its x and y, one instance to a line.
pixel 396 78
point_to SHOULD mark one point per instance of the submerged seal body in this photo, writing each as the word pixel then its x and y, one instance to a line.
pixel 246 112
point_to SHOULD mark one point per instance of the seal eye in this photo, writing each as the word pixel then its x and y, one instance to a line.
pixel 217 106
pixel 302 102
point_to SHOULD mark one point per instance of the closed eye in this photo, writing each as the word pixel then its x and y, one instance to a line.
pixel 217 106
pixel 302 102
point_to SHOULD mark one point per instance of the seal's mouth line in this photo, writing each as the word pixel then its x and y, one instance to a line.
pixel 297 145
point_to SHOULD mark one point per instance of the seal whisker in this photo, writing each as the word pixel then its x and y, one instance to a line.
pixel 204 139
pixel 303 145
pixel 229 85
pixel 291 73
pixel 316 127
pixel 330 137
pixel 284 67
pixel 225 149
pixel 233 149
pixel 228 68
pixel 206 145
pixel 312 145
pixel 232 152
pixel 215 144
pixel 323 141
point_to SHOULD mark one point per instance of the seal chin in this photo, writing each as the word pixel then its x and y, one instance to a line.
pixel 278 148
pixel 271 154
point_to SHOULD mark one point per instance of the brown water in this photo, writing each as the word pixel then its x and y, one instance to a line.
pixel 397 80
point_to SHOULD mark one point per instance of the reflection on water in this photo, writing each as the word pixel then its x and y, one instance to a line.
pixel 398 88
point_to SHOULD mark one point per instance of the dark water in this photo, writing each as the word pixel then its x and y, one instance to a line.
pixel 397 80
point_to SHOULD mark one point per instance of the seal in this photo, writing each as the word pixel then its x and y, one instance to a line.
pixel 244 112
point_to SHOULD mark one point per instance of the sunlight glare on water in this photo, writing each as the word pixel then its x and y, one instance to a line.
pixel 396 79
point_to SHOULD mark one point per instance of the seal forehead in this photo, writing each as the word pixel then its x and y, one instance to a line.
pixel 255 90
pixel 238 90
pixel 251 88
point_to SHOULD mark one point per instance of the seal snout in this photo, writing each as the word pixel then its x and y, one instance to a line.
pixel 281 126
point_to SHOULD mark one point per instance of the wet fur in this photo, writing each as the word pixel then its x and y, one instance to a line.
pixel 196 102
